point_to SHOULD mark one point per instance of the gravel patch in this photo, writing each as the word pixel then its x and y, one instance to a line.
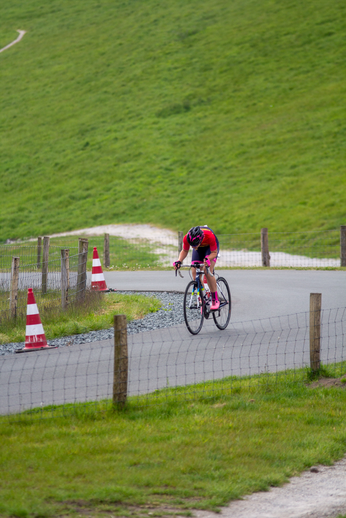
pixel 170 314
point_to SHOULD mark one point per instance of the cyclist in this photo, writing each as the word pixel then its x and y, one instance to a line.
pixel 205 250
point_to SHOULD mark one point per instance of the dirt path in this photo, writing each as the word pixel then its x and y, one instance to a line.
pixel 227 257
pixel 318 493
pixel 150 232
pixel 21 34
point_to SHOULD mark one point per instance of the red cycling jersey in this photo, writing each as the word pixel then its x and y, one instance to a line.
pixel 208 240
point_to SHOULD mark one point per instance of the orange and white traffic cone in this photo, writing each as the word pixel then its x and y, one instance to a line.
pixel 35 339
pixel 98 282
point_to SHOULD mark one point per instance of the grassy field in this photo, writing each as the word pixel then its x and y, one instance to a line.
pixel 168 454
pixel 115 111
pixel 169 113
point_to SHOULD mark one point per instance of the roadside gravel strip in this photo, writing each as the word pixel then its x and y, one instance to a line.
pixel 170 314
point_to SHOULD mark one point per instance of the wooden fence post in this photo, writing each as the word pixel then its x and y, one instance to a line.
pixel 120 361
pixel 82 263
pixel 39 248
pixel 343 245
pixel 45 264
pixel 65 277
pixel 315 330
pixel 14 286
pixel 106 259
pixel 265 247
pixel 180 241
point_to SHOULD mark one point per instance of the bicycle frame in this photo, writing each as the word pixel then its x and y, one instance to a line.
pixel 201 290
pixel 197 302
pixel 201 269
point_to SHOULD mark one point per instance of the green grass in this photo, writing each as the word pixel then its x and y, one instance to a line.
pixel 148 112
pixel 166 453
pixel 95 313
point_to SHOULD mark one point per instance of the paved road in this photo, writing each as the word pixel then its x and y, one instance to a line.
pixel 268 332
pixel 157 359
pixel 255 293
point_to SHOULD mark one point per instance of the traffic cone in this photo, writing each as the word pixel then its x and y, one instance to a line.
pixel 35 339
pixel 98 282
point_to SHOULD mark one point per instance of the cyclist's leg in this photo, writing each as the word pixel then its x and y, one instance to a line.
pixel 212 283
pixel 210 278
pixel 196 258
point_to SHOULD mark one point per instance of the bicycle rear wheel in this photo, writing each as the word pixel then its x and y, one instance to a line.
pixel 193 308
pixel 222 315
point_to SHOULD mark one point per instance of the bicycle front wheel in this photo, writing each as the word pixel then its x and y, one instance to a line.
pixel 193 308
pixel 222 315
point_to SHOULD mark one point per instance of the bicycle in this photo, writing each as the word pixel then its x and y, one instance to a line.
pixel 197 301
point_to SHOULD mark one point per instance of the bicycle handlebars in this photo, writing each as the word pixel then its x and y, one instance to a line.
pixel 193 265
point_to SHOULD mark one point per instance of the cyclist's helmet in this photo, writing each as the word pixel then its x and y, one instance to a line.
pixel 195 236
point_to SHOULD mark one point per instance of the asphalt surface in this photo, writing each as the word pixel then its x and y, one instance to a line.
pixel 267 332
pixel 255 293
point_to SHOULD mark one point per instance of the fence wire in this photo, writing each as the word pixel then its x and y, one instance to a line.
pixel 313 249
pixel 287 249
pixel 47 290
pixel 30 254
pixel 168 363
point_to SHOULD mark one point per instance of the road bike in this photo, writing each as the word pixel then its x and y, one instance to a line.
pixel 197 301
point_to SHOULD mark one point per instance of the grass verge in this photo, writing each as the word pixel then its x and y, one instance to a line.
pixel 166 453
pixel 96 312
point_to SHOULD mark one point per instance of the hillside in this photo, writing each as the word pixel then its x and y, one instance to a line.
pixel 160 112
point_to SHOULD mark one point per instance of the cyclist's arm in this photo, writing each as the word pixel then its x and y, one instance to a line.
pixel 212 255
pixel 183 255
pixel 213 248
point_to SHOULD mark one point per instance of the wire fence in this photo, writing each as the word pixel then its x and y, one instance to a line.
pixel 58 280
pixel 30 253
pixel 39 263
pixel 165 364
pixel 285 249
pixel 314 249
pixel 158 360
pixel 28 278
